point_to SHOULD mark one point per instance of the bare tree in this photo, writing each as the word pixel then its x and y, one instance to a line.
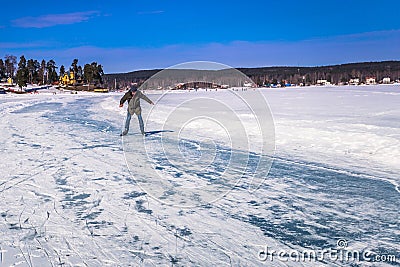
pixel 10 65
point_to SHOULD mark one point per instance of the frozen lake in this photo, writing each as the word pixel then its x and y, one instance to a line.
pixel 74 193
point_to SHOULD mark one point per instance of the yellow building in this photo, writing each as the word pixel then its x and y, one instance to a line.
pixel 68 79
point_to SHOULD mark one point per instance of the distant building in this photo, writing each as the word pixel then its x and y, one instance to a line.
pixel 248 84
pixel 386 80
pixel 354 81
pixel 179 86
pixel 68 79
pixel 370 80
pixel 323 82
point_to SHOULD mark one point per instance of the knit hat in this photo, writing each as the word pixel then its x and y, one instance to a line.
pixel 133 88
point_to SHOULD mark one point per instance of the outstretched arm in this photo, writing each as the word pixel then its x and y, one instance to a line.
pixel 123 99
pixel 144 97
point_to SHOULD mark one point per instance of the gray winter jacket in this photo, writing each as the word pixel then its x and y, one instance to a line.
pixel 134 101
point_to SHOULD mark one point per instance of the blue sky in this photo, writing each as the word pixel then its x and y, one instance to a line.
pixel 130 35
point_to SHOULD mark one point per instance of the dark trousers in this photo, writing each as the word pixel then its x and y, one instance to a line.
pixel 128 121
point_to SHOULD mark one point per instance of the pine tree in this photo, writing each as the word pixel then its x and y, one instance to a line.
pixel 79 74
pixel 88 73
pixel 42 72
pixel 51 72
pixel 74 68
pixel 93 73
pixel 22 72
pixel 33 68
pixel 2 69
pixel 100 73
pixel 62 71
pixel 36 77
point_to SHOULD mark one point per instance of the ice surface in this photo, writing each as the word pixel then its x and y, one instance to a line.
pixel 71 190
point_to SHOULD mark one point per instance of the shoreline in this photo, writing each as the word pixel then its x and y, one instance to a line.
pixel 55 91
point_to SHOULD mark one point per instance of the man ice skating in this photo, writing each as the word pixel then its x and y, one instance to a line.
pixel 133 96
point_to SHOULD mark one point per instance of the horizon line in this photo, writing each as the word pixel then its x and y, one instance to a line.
pixel 276 66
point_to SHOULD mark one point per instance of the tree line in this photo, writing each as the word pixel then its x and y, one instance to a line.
pixel 335 74
pixel 34 72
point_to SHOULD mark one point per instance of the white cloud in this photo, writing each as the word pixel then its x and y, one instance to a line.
pixel 53 19
pixel 150 12
pixel 18 45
